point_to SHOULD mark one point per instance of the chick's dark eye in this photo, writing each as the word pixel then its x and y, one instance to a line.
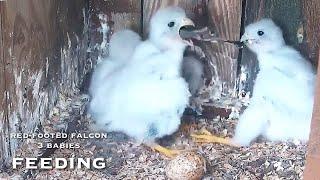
pixel 171 24
pixel 260 33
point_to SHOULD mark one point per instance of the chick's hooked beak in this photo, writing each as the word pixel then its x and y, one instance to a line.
pixel 187 22
pixel 186 25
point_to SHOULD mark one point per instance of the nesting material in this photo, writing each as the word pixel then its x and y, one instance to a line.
pixel 186 166
pixel 126 160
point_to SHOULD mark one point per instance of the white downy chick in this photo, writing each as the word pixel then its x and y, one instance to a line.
pixel 281 105
pixel 146 96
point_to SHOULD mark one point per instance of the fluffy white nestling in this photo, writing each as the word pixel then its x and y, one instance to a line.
pixel 143 94
pixel 281 105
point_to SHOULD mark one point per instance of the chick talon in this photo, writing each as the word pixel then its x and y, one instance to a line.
pixel 205 132
pixel 200 138
pixel 165 151
pixel 204 136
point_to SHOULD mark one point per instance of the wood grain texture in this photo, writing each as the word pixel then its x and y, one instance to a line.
pixel 3 110
pixel 124 13
pixel 313 154
pixel 223 18
pixel 311 13
pixel 44 50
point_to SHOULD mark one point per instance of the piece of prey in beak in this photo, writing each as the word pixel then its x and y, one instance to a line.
pixel 245 40
pixel 205 34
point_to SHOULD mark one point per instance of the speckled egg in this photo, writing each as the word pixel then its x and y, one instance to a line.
pixel 186 166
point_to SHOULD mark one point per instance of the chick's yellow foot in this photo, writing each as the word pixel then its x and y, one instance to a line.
pixel 165 151
pixel 205 136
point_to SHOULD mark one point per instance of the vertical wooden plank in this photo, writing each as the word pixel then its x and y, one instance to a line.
pixel 24 45
pixel 287 14
pixel 311 13
pixel 313 154
pixel 224 18
pixel 44 50
pixel 3 111
pixel 71 25
pixel 18 59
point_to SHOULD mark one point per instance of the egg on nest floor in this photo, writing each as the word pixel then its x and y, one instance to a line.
pixel 126 160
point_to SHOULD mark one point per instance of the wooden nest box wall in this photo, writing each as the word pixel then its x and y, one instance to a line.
pixel 48 48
